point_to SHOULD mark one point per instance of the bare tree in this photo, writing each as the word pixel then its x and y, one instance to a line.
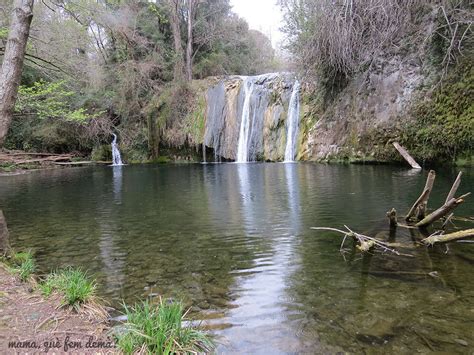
pixel 10 74
pixel 178 48
pixel 189 44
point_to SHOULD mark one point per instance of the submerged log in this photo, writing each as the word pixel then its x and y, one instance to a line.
pixel 4 240
pixel 442 211
pixel 419 207
pixel 406 156
pixel 450 237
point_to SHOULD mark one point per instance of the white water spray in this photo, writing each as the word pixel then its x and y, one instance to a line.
pixel 116 159
pixel 293 122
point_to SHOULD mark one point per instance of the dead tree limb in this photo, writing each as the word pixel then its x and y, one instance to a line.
pixel 406 156
pixel 365 242
pixel 454 188
pixel 442 211
pixel 445 238
pixel 423 199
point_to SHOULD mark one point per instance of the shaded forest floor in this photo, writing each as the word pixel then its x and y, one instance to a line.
pixel 37 325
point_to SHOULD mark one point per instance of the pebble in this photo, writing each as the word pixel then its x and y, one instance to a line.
pixel 461 342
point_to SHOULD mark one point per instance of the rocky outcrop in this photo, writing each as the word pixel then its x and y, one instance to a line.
pixel 374 101
pixel 4 240
pixel 262 101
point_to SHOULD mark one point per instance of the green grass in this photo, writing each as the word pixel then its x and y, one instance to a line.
pixel 22 264
pixel 74 285
pixel 159 329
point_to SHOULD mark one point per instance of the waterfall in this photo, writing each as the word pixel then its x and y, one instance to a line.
pixel 247 118
pixel 116 159
pixel 292 123
pixel 242 148
pixel 257 92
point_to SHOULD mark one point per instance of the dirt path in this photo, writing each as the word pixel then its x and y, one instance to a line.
pixel 34 325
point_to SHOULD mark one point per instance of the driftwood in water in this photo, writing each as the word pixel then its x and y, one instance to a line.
pixel 454 188
pixel 366 243
pixel 450 237
pixel 392 216
pixel 4 240
pixel 419 230
pixel 406 156
pixel 419 207
pixel 442 211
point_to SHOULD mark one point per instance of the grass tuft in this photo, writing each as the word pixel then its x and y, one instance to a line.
pixel 159 329
pixel 22 264
pixel 73 284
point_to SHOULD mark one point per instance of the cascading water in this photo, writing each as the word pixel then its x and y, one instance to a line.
pixel 116 159
pixel 242 148
pixel 293 122
pixel 246 117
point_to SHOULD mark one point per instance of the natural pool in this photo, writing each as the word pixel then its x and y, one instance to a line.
pixel 234 241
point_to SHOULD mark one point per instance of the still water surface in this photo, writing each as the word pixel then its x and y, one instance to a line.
pixel 234 241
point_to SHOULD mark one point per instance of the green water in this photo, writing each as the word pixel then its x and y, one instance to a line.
pixel 234 241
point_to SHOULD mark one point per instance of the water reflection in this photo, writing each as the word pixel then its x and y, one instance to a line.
pixel 293 187
pixel 234 241
pixel 117 177
pixel 112 257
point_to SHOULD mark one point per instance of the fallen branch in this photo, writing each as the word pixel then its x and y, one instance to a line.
pixel 46 159
pixel 442 211
pixel 445 238
pixel 422 201
pixel 406 156
pixel 454 188
pixel 365 242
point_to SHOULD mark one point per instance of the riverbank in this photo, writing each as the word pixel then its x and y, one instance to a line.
pixel 29 322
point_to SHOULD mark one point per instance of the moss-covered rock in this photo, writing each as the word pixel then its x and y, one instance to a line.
pixel 443 123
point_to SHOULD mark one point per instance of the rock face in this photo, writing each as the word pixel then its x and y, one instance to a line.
pixel 4 240
pixel 246 117
pixel 373 101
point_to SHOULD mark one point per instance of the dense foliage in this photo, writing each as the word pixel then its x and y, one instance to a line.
pixel 93 67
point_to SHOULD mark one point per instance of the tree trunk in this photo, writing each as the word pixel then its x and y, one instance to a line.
pixel 178 47
pixel 4 240
pixel 189 44
pixel 10 74
pixel 392 216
